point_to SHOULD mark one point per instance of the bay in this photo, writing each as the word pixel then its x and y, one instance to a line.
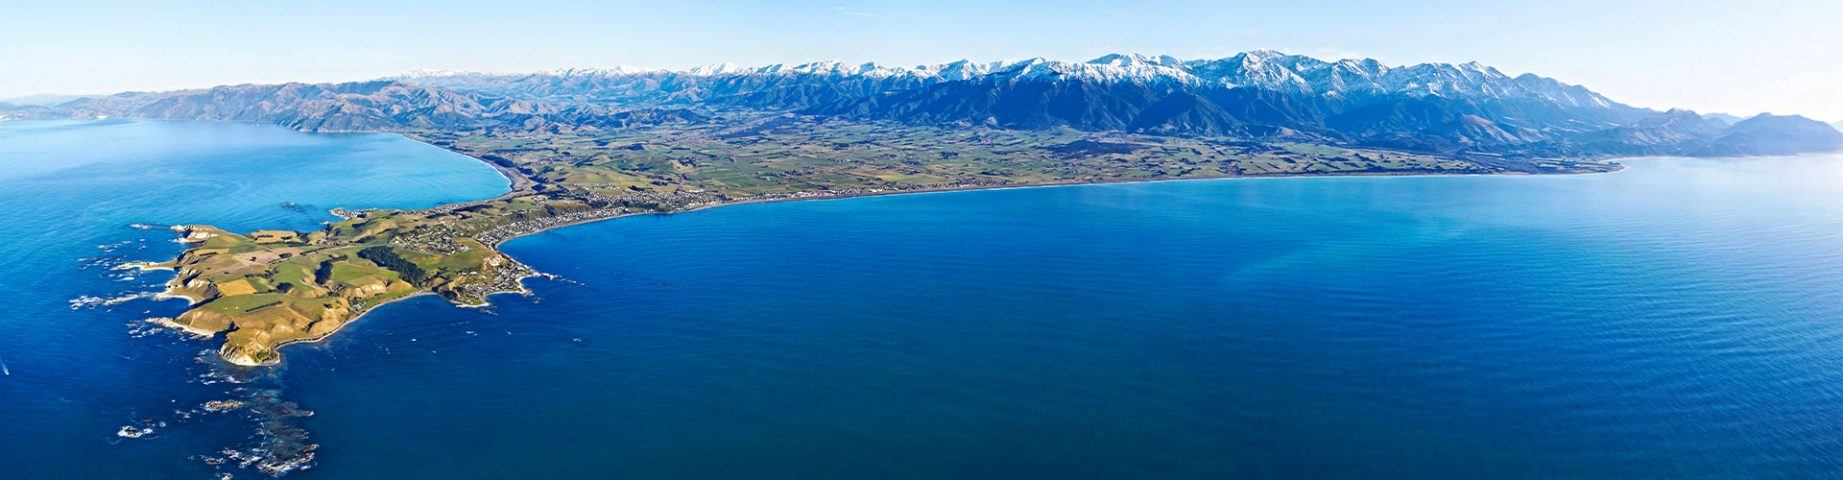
pixel 1676 320
pixel 69 193
pixel 1679 319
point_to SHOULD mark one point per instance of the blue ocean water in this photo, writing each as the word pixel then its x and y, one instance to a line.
pixel 69 192
pixel 1680 319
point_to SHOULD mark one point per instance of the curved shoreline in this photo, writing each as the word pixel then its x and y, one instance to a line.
pixel 487 299
pixel 519 184
pixel 322 337
pixel 1617 167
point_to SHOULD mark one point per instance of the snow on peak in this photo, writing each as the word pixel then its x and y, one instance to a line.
pixel 616 70
pixel 1262 55
pixel 868 69
pixel 718 69
pixel 1265 69
pixel 1134 59
pixel 1108 69
pixel 434 73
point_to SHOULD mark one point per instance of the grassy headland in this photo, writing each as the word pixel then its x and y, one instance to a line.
pixel 266 289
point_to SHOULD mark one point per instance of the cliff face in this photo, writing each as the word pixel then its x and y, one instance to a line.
pixel 255 337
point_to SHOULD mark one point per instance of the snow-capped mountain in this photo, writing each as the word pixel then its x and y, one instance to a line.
pixel 1439 107
pixel 1263 69
pixel 1466 108
pixel 1253 93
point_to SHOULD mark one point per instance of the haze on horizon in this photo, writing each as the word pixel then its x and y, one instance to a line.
pixel 1711 56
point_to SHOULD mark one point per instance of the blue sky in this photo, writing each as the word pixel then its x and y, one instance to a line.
pixel 1708 55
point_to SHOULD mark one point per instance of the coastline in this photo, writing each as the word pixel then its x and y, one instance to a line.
pixel 144 266
pixel 519 184
pixel 319 338
pixel 361 315
pixel 1617 167
pixel 182 328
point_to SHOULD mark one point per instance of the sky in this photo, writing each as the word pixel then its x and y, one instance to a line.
pixel 1737 57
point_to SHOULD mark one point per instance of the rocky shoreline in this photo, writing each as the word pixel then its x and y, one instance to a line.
pixel 509 274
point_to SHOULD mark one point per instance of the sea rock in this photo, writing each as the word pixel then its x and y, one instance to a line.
pixel 217 406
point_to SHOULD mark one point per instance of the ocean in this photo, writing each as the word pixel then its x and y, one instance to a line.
pixel 1679 319
pixel 71 194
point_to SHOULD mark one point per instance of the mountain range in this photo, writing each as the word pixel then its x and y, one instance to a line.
pixel 1458 109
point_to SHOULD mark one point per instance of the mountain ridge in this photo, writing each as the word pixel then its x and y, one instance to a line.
pixel 1466 108
pixel 1440 108
pixel 1267 69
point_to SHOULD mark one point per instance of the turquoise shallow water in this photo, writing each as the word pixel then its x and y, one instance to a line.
pixel 1676 320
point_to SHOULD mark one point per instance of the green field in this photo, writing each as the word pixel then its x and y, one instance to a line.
pixel 270 287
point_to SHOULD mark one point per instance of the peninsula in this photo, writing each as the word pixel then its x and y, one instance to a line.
pixel 266 289
pixel 586 145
